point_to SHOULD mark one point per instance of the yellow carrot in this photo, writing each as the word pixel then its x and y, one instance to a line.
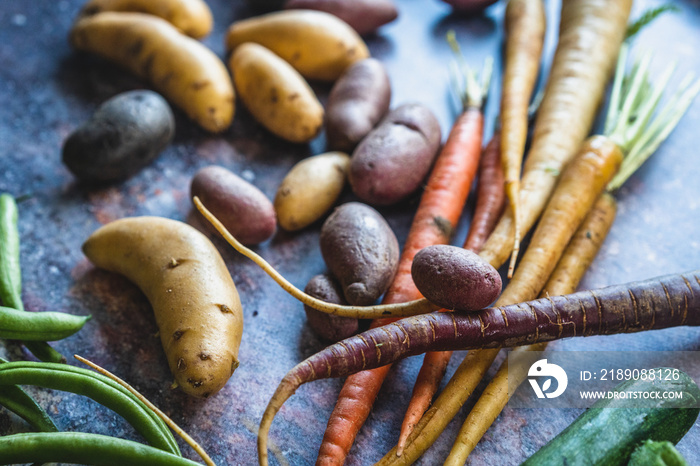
pixel 525 28
pixel 591 32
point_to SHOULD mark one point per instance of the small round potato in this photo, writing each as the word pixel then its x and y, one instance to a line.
pixel 455 278
pixel 241 207
pixel 310 189
pixel 361 251
pixel 276 94
pixel 395 157
pixel 124 135
pixel 358 100
pixel 317 44
pixel 328 326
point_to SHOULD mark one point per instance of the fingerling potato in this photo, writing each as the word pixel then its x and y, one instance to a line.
pixel 276 94
pixel 364 16
pixel 191 17
pixel 244 210
pixel 186 72
pixel 358 100
pixel 197 308
pixel 310 189
pixel 317 44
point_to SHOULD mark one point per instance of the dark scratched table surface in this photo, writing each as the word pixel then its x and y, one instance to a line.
pixel 47 90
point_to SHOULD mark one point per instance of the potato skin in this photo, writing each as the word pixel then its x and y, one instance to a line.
pixel 328 326
pixel 310 189
pixel 358 100
pixel 276 94
pixel 317 44
pixel 196 305
pixel 192 17
pixel 240 206
pixel 186 72
pixel 364 16
pixel 394 159
pixel 469 6
pixel 360 250
pixel 124 135
pixel 455 278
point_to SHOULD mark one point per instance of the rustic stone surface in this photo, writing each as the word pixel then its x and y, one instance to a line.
pixel 47 90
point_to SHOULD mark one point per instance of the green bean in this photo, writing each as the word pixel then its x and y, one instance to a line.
pixel 38 326
pixel 80 448
pixel 97 387
pixel 11 275
pixel 19 402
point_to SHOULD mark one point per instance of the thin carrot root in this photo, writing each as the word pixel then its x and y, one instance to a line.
pixel 525 29
pixel 411 308
pixel 170 423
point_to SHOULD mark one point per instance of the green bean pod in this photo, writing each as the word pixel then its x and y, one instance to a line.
pixel 81 448
pixel 38 326
pixel 11 273
pixel 101 389
pixel 19 402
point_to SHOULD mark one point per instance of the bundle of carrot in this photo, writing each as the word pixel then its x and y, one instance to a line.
pixel 525 27
pixel 629 134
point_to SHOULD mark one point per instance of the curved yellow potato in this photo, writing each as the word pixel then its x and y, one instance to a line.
pixel 192 17
pixel 310 189
pixel 185 71
pixel 196 305
pixel 276 94
pixel 317 44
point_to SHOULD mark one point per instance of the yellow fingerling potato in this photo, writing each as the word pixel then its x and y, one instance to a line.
pixel 317 44
pixel 186 72
pixel 310 189
pixel 196 305
pixel 192 17
pixel 275 93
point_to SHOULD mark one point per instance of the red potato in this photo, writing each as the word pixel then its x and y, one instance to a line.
pixel 455 278
pixel 241 206
pixel 469 6
pixel 358 100
pixel 393 160
pixel 364 16
pixel 327 326
pixel 360 250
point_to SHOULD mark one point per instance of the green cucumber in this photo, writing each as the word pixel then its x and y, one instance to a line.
pixel 608 432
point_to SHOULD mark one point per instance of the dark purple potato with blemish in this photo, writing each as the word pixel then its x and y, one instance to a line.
pixel 358 100
pixel 241 207
pixel 327 326
pixel 361 251
pixel 124 135
pixel 455 278
pixel 393 160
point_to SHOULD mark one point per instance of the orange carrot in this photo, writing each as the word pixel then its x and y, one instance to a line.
pixel 490 203
pixel 439 210
pixel 525 28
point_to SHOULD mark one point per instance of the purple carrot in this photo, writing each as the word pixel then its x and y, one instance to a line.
pixel 669 301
